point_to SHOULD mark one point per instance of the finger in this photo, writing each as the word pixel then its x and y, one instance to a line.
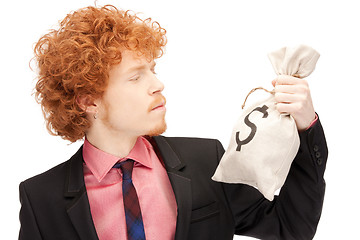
pixel 301 88
pixel 286 89
pixel 287 108
pixel 286 98
pixel 287 80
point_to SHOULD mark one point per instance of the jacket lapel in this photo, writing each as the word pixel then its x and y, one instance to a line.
pixel 181 185
pixel 79 208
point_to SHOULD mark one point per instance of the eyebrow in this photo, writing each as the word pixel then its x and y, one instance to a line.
pixel 141 67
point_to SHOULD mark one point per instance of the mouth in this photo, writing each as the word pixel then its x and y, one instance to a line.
pixel 158 105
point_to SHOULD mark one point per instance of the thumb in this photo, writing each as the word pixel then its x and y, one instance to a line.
pixel 273 82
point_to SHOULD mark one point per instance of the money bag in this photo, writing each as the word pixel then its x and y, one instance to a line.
pixel 264 142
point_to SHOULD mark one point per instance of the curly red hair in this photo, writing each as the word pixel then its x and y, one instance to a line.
pixel 75 60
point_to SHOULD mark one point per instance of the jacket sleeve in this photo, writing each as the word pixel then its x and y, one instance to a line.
pixel 295 213
pixel 29 228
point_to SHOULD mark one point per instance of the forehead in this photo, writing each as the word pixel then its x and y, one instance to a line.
pixel 131 60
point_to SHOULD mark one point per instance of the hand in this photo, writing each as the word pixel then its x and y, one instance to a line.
pixel 293 97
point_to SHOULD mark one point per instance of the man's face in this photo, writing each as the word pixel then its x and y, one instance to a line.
pixel 132 103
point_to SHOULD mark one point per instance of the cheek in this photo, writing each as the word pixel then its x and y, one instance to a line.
pixel 135 105
pixel 127 104
pixel 131 107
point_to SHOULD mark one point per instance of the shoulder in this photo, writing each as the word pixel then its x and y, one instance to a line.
pixel 190 147
pixel 44 187
pixel 191 141
pixel 48 176
pixel 52 178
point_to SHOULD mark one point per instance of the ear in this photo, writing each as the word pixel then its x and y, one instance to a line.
pixel 87 103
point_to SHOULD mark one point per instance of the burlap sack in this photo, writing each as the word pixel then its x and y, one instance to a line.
pixel 264 142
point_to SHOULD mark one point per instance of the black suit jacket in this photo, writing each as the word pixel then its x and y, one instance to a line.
pixel 55 203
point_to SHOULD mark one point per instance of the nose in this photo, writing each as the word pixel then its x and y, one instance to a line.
pixel 157 86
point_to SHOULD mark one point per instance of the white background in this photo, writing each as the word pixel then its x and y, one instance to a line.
pixel 216 53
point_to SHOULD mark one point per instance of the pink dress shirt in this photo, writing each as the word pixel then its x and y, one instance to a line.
pixel 104 188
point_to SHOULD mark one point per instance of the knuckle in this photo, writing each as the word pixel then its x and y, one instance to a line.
pixel 302 98
pixel 303 89
pixel 300 107
pixel 305 83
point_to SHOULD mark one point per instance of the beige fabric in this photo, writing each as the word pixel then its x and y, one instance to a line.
pixel 299 61
pixel 264 142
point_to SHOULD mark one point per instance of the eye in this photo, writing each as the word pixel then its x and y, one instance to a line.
pixel 134 78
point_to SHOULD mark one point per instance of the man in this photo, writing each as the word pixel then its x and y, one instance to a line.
pixel 97 81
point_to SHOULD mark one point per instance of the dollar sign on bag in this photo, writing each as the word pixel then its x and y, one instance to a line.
pixel 252 126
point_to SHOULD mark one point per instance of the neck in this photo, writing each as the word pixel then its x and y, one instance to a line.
pixel 114 143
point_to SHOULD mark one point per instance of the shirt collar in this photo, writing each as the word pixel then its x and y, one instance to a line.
pixel 100 162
